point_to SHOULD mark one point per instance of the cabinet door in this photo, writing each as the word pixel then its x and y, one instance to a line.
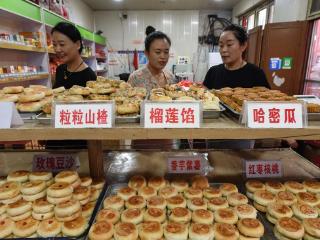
pixel 286 40
pixel 253 52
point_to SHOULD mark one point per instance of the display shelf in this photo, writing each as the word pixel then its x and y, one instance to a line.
pixel 25 79
pixel 4 45
pixel 222 128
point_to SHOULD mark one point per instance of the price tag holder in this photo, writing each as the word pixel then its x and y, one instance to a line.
pixel 186 164
pixel 9 115
pixel 55 162
pixel 175 114
pixel 263 168
pixel 274 114
pixel 93 114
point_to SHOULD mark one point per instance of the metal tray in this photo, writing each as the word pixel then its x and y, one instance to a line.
pixel 229 109
pixel 28 116
pixel 128 119
pixel 44 118
pixel 84 234
pixel 310 99
pixel 213 114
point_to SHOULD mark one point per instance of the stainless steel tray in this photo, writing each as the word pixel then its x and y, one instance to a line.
pixel 28 116
pixel 310 99
pixel 313 116
pixel 213 114
pixel 44 118
pixel 231 110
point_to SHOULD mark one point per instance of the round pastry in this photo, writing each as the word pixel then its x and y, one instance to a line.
pixel 75 227
pixel 318 208
pixel 312 226
pixel 125 231
pixel 26 227
pixel 9 97
pixel 113 202
pixel 98 183
pixel 228 188
pixel 79 90
pixel 67 208
pixel 66 177
pixel 58 90
pixel 180 185
pixel 197 203
pixel 31 198
pixel 101 230
pixel 69 98
pixel 202 216
pixel 49 228
pixel 40 176
pixel 274 187
pixel 132 215
pixel 87 209
pixel 18 208
pixel 303 211
pixel 126 192
pixel 286 197
pixel 13 89
pixel 308 198
pixel 263 197
pixel 29 107
pixel 84 201
pixel 32 187
pixel 150 230
pixel 168 192
pixel 245 211
pixel 175 231
pixel 154 215
pixel 252 186
pixel 278 210
pixel 3 208
pixel 9 190
pixel 12 200
pixel 250 227
pixel 85 181
pixel 224 231
pixel 18 176
pixel 31 96
pixel 147 192
pixel 6 227
pixel 182 215
pixel 212 192
pixel 157 202
pixel 42 216
pixel 135 202
pixel 294 187
pixel 20 217
pixel 3 179
pixel 289 228
pixel 235 199
pixel 59 190
pixel 76 183
pixel 108 215
pixel 69 218
pixel 193 193
pixel 81 193
pixel 50 182
pixel 312 186
pixel 157 182
pixel 200 231
pixel 137 182
pixel 54 200
pixel 94 194
pixel 217 203
pixel 176 201
pixel 226 215
pixel 200 182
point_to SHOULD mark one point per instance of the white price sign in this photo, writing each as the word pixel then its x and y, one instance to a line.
pixel 274 114
pixel 187 164
pixel 84 115
pixel 263 169
pixel 176 114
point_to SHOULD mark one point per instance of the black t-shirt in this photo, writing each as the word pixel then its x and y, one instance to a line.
pixel 248 76
pixel 74 78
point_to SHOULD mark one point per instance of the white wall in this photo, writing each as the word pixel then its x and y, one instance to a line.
pixel 285 10
pixel 290 10
pixel 180 26
pixel 81 13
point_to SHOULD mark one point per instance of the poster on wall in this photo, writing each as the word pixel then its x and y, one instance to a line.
pixel 142 58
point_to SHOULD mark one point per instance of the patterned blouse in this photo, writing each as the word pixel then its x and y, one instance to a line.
pixel 144 78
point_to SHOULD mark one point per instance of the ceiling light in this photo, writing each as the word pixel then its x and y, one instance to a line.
pixel 167 22
pixel 134 22
pixel 118 0
pixel 194 22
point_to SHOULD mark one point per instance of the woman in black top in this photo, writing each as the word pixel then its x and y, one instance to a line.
pixel 235 71
pixel 67 44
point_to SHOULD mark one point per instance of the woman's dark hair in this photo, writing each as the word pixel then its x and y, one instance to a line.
pixel 239 32
pixel 153 36
pixel 150 29
pixel 70 31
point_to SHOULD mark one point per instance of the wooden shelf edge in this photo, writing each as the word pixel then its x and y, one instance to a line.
pixel 21 47
pixel 31 78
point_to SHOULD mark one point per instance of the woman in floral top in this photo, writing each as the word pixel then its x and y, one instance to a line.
pixel 153 75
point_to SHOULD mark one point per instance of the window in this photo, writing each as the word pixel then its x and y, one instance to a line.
pixel 262 17
pixel 251 22
pixel 271 13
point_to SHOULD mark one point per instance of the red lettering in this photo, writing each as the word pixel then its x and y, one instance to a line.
pixel 64 117
pixel 259 169
pixel 156 115
pixel 290 116
pixel 189 164
pixel 182 164
pixel 197 165
pixel 172 115
pixel 90 117
pixel 77 117
pixel 274 115
pixel 174 165
pixel 267 169
pixel 40 163
pixel 102 116
pixel 187 115
pixel 258 115
pixel 252 169
pixel 275 168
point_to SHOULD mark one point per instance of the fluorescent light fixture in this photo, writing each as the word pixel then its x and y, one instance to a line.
pixel 134 23
pixel 194 22
pixel 118 0
pixel 167 22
